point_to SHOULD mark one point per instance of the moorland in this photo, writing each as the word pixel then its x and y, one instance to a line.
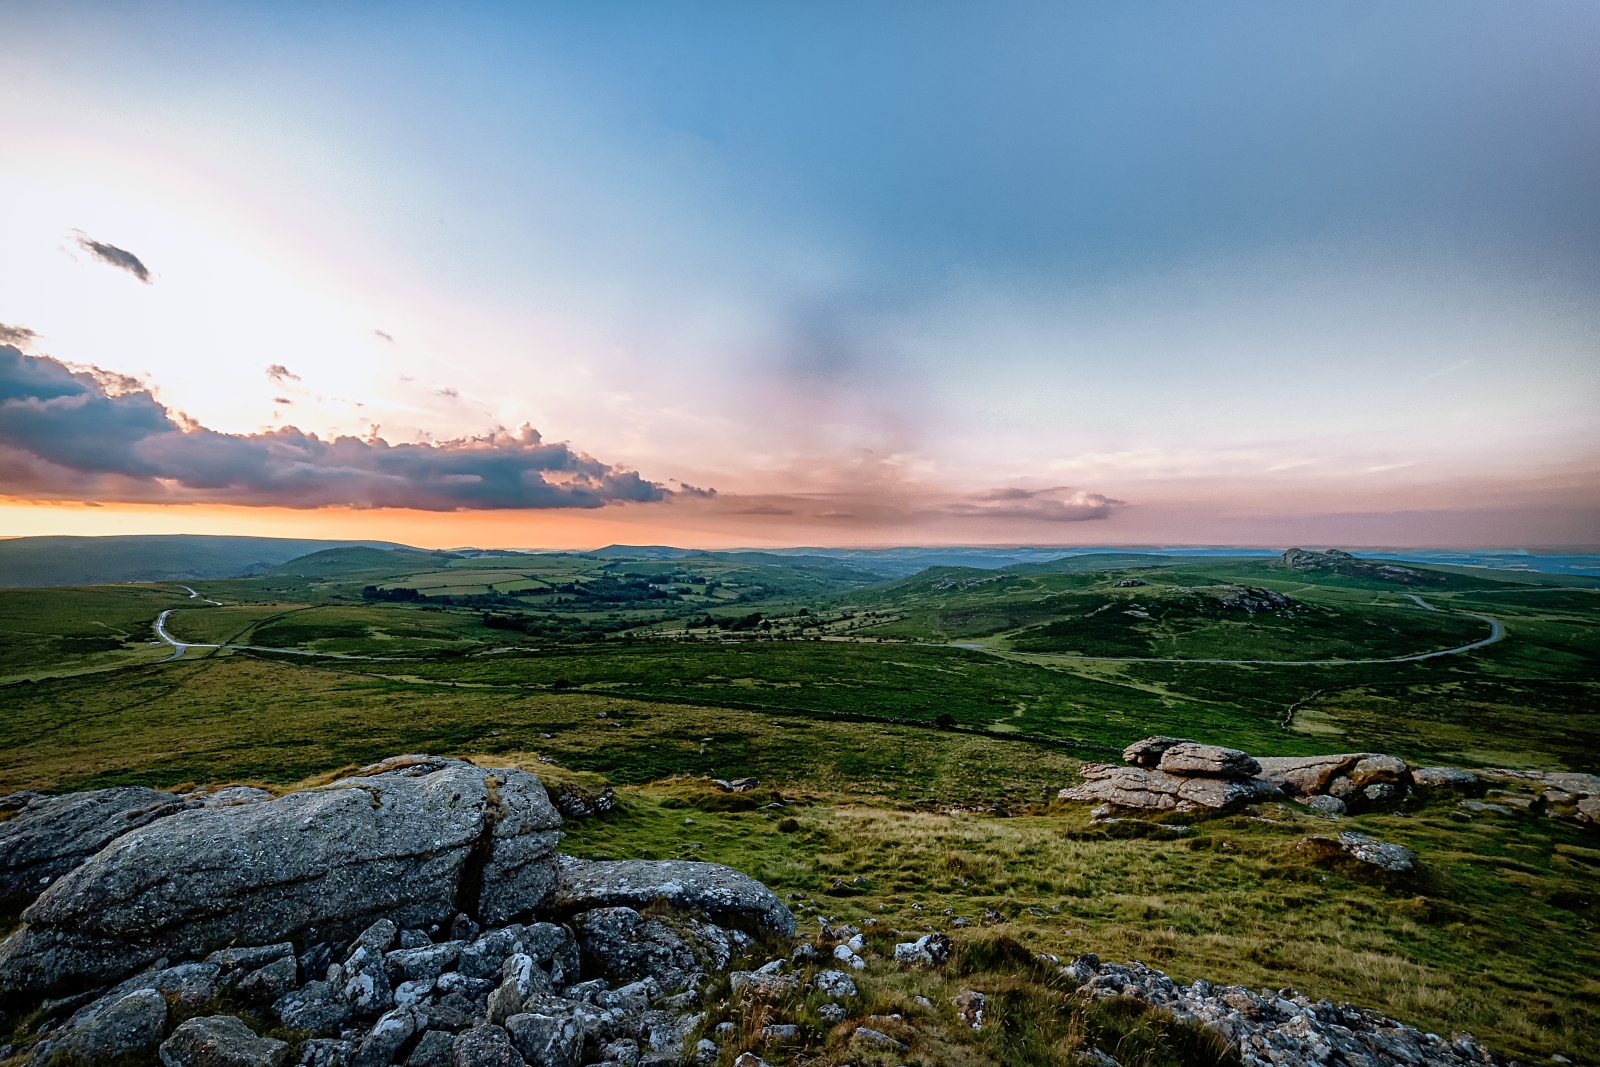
pixel 917 728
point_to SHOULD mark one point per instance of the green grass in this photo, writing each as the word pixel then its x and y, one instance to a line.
pixel 46 632
pixel 1496 935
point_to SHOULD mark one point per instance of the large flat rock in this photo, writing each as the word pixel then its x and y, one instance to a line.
pixel 721 893
pixel 1140 789
pixel 411 842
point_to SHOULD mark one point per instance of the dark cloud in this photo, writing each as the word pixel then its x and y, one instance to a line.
pixel 685 489
pixel 280 374
pixel 764 509
pixel 16 335
pixel 120 258
pixel 383 336
pixel 1049 505
pixel 282 400
pixel 66 435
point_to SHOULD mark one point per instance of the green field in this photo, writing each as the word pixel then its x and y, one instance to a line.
pixel 865 713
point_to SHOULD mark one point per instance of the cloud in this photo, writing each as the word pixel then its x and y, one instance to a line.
pixel 120 258
pixel 1041 504
pixel 19 336
pixel 685 489
pixel 764 509
pixel 382 336
pixel 280 374
pixel 65 434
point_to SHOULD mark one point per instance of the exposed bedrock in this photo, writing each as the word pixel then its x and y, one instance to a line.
pixel 415 840
pixel 724 895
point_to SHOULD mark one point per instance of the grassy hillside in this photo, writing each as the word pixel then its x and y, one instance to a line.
pixel 41 562
pixel 909 826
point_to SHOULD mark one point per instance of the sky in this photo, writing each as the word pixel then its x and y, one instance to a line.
pixel 556 275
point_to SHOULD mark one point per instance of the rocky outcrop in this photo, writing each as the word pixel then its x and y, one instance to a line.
pixel 1141 789
pixel 50 836
pixel 722 894
pixel 398 841
pixel 1334 561
pixel 380 914
pixel 1558 794
pixel 1282 1028
pixel 1358 780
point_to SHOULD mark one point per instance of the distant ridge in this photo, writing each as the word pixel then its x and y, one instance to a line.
pixel 40 562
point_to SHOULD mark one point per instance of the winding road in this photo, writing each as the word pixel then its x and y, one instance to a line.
pixel 180 647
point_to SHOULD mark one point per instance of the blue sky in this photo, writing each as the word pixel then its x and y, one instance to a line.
pixel 862 265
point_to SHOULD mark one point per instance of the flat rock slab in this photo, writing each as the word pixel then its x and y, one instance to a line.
pixel 725 895
pixel 1395 859
pixel 1139 789
pixel 1191 759
pixel 394 843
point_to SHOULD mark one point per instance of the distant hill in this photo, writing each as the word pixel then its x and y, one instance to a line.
pixel 362 559
pixel 38 562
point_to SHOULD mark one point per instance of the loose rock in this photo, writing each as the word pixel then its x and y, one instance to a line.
pixel 221 1041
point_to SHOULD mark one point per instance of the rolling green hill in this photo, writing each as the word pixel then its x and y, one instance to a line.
pixel 42 562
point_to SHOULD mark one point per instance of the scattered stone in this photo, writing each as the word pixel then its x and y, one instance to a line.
pixel 749 1059
pixel 315 1007
pixel 969 1005
pixel 549 1034
pixel 930 950
pixel 266 984
pixel 221 1041
pixel 1326 804
pixel 781 1034
pixel 576 803
pixel 328 1052
pixel 835 984
pixel 1368 850
pixel 485 1046
pixel 622 945
pixel 1282 1029
pixel 131 1022
pixel 877 1039
pixel 831 1013
pixel 737 785
pixel 433 1049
